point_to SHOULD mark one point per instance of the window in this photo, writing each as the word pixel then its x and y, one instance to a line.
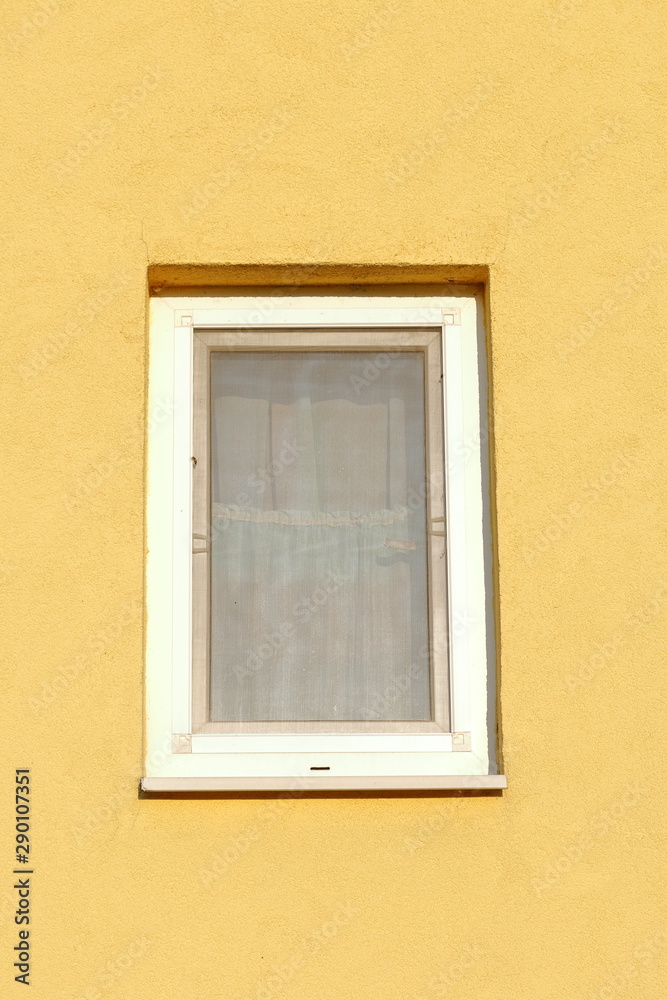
pixel 319 607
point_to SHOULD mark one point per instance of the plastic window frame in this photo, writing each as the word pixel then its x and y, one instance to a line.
pixel 178 759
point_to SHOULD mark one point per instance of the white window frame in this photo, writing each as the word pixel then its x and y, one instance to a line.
pixel 177 758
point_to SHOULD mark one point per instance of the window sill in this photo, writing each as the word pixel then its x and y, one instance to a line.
pixel 333 783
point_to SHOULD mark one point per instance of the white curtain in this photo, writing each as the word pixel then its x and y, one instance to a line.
pixel 318 570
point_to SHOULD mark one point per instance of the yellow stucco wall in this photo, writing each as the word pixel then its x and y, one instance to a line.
pixel 525 137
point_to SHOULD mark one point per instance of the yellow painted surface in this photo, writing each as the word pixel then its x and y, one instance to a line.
pixel 527 138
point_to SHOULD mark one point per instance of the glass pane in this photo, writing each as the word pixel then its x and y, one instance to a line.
pixel 319 604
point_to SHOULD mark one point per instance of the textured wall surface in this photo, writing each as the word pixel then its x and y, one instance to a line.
pixel 525 137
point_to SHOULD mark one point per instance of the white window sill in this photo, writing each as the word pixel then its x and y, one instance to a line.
pixel 333 783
